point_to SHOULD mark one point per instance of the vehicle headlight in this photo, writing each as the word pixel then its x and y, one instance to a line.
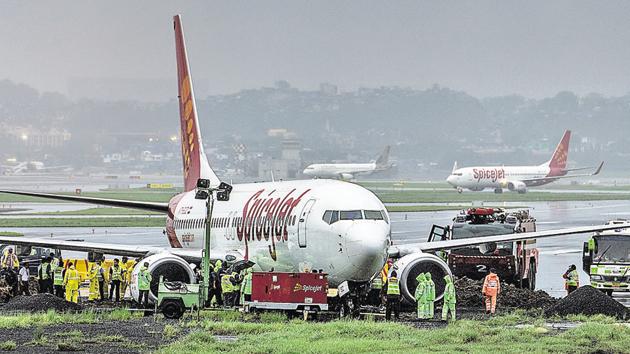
pixel 596 277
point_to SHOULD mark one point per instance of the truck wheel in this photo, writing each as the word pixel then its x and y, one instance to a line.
pixel 531 275
pixel 172 309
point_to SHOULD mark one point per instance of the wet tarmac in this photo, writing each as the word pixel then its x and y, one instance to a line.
pixel 556 254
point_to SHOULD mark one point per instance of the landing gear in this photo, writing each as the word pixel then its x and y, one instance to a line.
pixel 460 190
pixel 498 190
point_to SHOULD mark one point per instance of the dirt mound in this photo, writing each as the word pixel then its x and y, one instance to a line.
pixel 588 301
pixel 469 295
pixel 40 303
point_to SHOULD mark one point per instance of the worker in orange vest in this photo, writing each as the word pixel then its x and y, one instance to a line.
pixel 491 288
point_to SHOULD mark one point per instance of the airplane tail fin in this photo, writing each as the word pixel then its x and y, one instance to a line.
pixel 383 159
pixel 454 167
pixel 195 163
pixel 559 158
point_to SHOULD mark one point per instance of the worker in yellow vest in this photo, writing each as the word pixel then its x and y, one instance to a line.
pixel 227 289
pixel 58 277
pixel 571 279
pixel 126 275
pixel 115 278
pixel 93 275
pixel 393 296
pixel 9 259
pixel 71 281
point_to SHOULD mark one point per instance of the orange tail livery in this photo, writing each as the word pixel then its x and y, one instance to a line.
pixel 195 163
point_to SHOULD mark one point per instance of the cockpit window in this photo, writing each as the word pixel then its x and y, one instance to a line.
pixel 373 214
pixel 331 216
pixel 457 174
pixel 350 215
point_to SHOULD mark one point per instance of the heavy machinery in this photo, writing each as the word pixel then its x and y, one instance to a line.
pixel 515 262
pixel 606 258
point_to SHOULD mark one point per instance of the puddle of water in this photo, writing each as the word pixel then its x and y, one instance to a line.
pixel 226 338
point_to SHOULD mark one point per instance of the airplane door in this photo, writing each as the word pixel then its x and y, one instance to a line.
pixel 306 211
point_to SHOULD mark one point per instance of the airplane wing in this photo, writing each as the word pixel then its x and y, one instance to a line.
pixel 105 248
pixel 599 169
pixel 449 244
pixel 150 206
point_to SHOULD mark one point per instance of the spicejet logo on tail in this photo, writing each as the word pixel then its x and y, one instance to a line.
pixel 188 125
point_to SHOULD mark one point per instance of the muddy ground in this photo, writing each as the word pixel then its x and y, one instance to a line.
pixel 138 335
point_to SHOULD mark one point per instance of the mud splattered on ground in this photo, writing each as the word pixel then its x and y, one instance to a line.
pixel 468 293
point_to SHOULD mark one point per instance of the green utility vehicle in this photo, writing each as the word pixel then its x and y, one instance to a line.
pixel 606 258
pixel 175 298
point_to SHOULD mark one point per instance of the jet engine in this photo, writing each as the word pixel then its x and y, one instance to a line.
pixel 517 186
pixel 347 176
pixel 411 265
pixel 169 266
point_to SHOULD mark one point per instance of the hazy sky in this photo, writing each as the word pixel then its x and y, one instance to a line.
pixel 486 48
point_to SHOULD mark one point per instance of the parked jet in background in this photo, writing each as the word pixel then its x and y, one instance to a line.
pixel 347 171
pixel 518 178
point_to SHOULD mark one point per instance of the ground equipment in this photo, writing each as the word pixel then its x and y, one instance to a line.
pixel 606 258
pixel 515 262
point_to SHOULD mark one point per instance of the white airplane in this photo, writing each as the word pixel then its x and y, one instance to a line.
pixel 338 227
pixel 28 167
pixel 347 171
pixel 518 178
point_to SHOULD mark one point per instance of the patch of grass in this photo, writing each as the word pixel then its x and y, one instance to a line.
pixel 68 347
pixel 8 345
pixel 11 233
pixel 221 315
pixel 448 196
pixel 273 317
pixel 99 211
pixel 169 331
pixel 27 320
pixel 496 335
pixel 83 222
pixel 122 194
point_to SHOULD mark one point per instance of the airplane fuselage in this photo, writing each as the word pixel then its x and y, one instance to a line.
pixel 281 226
pixel 339 170
pixel 478 178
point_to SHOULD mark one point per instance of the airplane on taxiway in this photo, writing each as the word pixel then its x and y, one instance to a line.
pixel 518 178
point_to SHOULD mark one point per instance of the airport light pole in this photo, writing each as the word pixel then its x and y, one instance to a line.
pixel 205 192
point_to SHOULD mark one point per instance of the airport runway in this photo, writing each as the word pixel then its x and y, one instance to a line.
pixel 556 254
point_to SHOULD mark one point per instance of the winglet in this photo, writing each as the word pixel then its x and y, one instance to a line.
pixel 195 163
pixel 599 169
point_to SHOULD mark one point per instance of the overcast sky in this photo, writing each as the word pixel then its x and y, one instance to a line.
pixel 486 48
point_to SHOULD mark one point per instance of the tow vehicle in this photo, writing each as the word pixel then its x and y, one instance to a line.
pixel 515 262
pixel 606 258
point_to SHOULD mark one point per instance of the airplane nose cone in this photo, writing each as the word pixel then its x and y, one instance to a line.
pixel 366 247
pixel 451 180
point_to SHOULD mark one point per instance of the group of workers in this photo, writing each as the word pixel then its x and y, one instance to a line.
pixel 425 295
pixel 227 287
pixel 54 276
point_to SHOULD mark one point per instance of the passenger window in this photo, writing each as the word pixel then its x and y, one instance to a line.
pixel 350 215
